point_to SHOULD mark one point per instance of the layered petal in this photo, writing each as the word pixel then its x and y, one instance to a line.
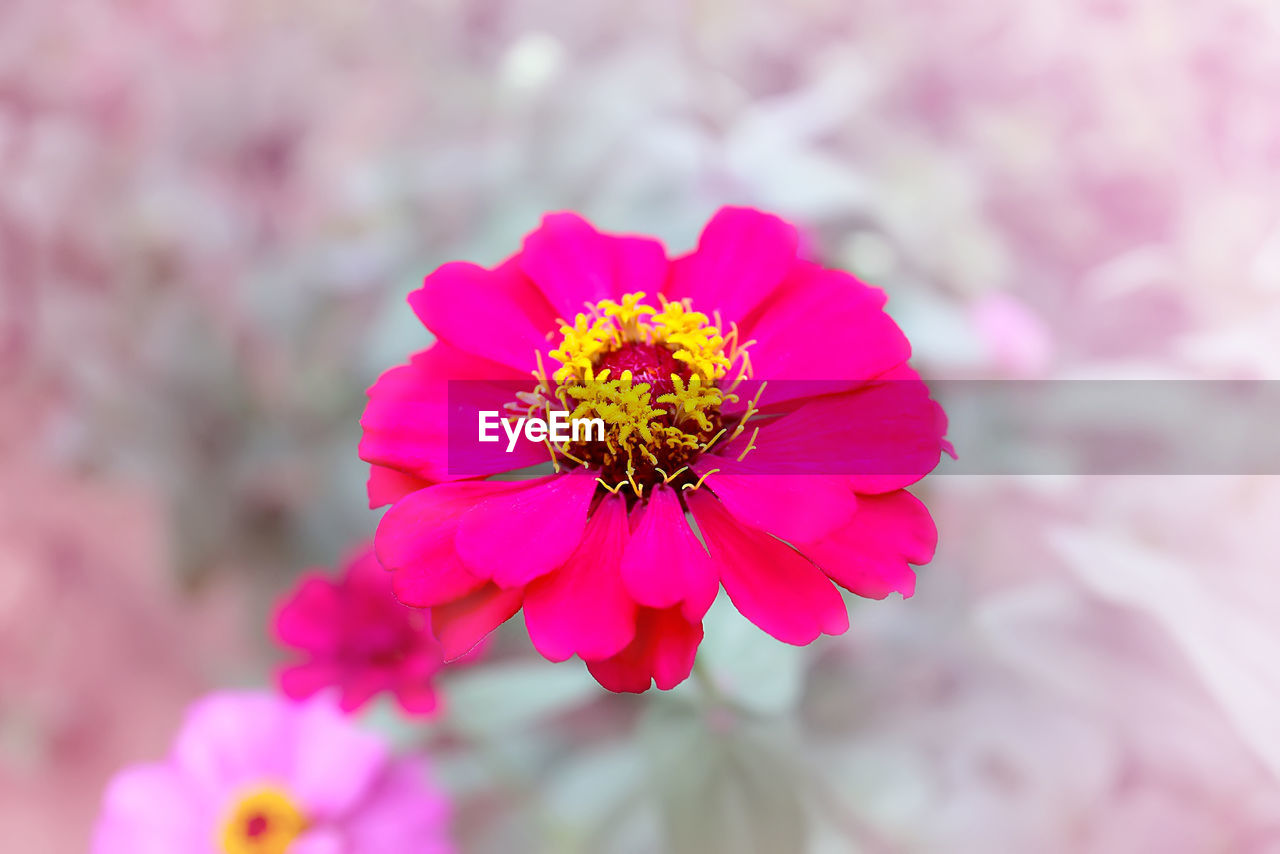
pixel 428 583
pixel 387 486
pixel 872 555
pixel 772 584
pixel 415 690
pixel 305 620
pixel 357 637
pixel 415 540
pixel 519 534
pixel 463 623
pixel 791 507
pixel 845 424
pixel 574 265
pixel 662 652
pixel 879 438
pixel 496 314
pixel 361 684
pixel 302 681
pixel 408 424
pixel 664 564
pixel 822 331
pixel 583 608
pixel 743 255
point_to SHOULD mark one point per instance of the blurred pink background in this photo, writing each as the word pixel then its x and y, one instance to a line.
pixel 211 211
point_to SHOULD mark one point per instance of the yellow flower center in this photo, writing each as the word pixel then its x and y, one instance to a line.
pixel 657 376
pixel 263 821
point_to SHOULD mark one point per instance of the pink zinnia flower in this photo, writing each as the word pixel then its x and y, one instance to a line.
pixel 254 774
pixel 671 355
pixel 357 637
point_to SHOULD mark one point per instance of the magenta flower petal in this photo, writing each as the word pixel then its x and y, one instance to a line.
pixel 742 257
pixel 361 685
pixel 305 680
pixel 353 635
pixel 416 536
pixel 583 607
pixel 664 564
pixel 823 326
pixel 517 535
pixel 418 697
pixel 463 623
pixel 871 556
pixel 497 314
pixel 640 265
pixel 428 584
pixel 791 507
pixel 772 584
pixel 406 423
pixel 662 653
pixel 387 486
pixel 305 619
pixel 575 265
pixel 881 437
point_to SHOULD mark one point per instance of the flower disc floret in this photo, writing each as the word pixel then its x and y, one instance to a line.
pixel 657 376
pixel 263 821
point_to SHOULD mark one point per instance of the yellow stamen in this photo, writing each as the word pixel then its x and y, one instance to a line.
pixel 264 821
pixel 751 445
pixel 707 444
pixel 692 400
pixel 667 478
pixel 623 406
pixel 613 490
pixel 647 431
pixel 702 479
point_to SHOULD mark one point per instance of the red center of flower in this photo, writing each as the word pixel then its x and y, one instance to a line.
pixel 649 363
pixel 256 826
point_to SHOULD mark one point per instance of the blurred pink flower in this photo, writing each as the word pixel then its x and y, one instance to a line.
pixel 616 577
pixel 1017 341
pixel 355 635
pixel 99 649
pixel 253 774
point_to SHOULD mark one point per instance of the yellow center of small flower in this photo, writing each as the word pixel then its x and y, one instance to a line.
pixel 658 377
pixel 264 821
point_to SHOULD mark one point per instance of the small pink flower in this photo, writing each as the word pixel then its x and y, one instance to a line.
pixel 792 486
pixel 254 774
pixel 356 637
